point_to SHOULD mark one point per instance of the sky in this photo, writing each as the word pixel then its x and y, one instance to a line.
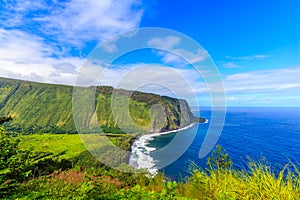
pixel 255 45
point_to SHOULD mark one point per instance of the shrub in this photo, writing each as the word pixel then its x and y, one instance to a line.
pixel 14 162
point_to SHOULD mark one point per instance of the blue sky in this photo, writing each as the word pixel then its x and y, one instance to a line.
pixel 254 44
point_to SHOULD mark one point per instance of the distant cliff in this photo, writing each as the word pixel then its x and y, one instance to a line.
pixel 39 107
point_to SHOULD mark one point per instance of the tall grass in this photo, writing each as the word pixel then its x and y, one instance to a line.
pixel 259 182
pixel 220 180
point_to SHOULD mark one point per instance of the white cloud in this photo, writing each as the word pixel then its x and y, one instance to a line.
pixel 236 62
pixel 289 86
pixel 173 54
pixel 51 70
pixel 26 56
pixel 231 65
pixel 78 21
pixel 264 80
pixel 110 47
pixel 276 87
pixel 153 78
pixel 72 22
pixel 252 57
pixel 36 36
pixel 198 56
pixel 20 46
pixel 168 42
pixel 13 12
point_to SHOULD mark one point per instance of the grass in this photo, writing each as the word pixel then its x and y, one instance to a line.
pixel 67 146
pixel 218 181
pixel 259 183
pixel 71 144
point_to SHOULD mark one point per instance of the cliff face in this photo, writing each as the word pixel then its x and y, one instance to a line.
pixel 39 107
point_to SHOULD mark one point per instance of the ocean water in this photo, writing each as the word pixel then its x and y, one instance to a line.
pixel 272 134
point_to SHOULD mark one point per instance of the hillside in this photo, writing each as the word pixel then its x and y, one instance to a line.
pixel 40 107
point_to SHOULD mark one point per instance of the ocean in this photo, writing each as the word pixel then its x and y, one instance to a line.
pixel 262 134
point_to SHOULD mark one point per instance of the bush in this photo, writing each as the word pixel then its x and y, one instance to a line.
pixel 14 162
pixel 219 160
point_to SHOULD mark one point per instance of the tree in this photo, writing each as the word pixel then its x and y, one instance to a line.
pixel 14 162
pixel 219 159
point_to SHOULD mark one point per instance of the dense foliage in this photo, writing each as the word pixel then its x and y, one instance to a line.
pixel 58 171
pixel 14 162
pixel 47 108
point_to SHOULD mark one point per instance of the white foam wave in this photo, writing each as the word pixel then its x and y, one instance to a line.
pixel 140 153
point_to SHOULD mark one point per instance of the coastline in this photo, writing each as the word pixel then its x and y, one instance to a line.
pixel 167 132
pixel 140 157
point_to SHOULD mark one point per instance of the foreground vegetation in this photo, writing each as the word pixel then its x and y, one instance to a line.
pixel 57 166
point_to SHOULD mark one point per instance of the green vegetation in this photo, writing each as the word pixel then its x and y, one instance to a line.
pixel 63 145
pixel 47 108
pixel 71 146
pixel 260 182
pixel 58 166
pixel 14 162
pixel 67 171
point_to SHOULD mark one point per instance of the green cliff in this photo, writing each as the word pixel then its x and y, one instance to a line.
pixel 40 107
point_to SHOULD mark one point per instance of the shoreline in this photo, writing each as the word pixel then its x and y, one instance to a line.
pixel 166 132
pixel 142 159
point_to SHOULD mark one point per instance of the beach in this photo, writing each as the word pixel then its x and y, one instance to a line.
pixel 140 153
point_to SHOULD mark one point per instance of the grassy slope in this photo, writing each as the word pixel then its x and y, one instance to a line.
pixel 39 107
pixel 35 104
pixel 71 144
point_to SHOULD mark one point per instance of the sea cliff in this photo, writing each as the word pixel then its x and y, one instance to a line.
pixel 40 107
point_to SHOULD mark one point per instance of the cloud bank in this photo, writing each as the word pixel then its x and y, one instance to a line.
pixel 47 40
